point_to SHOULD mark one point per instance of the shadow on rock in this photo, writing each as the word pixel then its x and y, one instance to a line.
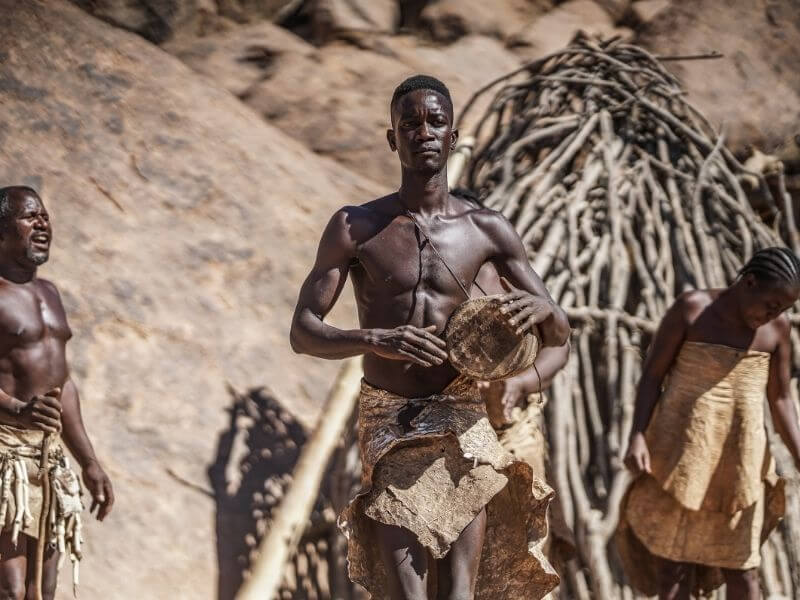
pixel 255 458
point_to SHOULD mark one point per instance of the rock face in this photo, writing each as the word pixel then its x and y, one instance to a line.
pixel 755 89
pixel 557 28
pixel 250 10
pixel 644 11
pixel 183 227
pixel 448 20
pixel 238 59
pixel 617 9
pixel 160 20
pixel 335 99
pixel 155 20
pixel 184 222
pixel 331 18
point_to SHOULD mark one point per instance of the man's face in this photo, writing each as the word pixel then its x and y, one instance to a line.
pixel 422 133
pixel 26 235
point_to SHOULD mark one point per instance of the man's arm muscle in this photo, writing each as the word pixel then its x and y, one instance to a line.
pixel 77 440
pixel 511 262
pixel 321 289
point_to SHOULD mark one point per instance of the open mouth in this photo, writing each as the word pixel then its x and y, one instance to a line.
pixel 40 239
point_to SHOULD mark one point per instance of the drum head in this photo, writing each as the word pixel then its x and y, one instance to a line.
pixel 483 345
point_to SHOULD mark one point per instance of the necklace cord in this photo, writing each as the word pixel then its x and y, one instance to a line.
pixel 444 262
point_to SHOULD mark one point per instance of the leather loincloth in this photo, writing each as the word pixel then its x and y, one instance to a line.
pixel 431 465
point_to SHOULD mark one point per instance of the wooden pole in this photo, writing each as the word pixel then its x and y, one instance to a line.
pixel 41 543
pixel 291 517
pixel 458 160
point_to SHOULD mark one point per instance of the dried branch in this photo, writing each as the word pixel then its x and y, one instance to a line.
pixel 625 196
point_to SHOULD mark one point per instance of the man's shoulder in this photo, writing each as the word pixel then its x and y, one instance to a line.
pixel 356 222
pixel 49 289
pixel 39 288
pixel 494 225
pixel 47 284
pixel 38 283
pixel 484 217
pixel 388 205
pixel 371 210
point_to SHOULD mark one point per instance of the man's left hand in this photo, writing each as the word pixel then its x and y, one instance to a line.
pixel 523 309
pixel 99 486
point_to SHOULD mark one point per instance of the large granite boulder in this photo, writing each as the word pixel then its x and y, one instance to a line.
pixel 160 20
pixel 156 20
pixel 239 58
pixel 754 90
pixel 336 99
pixel 448 20
pixel 556 28
pixel 334 18
pixel 184 225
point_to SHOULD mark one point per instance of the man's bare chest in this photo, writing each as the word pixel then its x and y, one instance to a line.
pixel 404 259
pixel 29 317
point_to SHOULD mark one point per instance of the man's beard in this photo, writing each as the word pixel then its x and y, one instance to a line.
pixel 37 257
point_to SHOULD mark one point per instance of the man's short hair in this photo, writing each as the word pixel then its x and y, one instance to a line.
pixel 6 208
pixel 422 82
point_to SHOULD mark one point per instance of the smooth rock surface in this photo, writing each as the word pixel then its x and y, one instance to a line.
pixel 336 99
pixel 558 27
pixel 183 226
pixel 754 91
pixel 448 20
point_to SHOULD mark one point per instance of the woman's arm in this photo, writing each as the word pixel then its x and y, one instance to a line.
pixel 663 350
pixel 784 414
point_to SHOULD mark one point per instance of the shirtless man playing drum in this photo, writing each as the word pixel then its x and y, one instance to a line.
pixel 411 255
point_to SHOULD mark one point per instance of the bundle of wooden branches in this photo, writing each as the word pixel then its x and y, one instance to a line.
pixel 625 196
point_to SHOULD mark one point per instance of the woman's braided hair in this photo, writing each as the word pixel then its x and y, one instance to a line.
pixel 775 264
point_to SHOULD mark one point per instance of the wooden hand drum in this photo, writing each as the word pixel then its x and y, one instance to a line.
pixel 483 345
